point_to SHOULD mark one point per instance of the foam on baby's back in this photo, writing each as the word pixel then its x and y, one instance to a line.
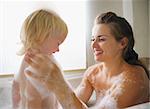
pixel 40 87
pixel 51 100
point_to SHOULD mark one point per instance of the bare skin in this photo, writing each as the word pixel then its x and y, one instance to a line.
pixel 24 93
pixel 134 86
pixel 54 80
pixel 117 84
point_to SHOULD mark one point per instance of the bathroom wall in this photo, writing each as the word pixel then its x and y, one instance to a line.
pixel 149 26
pixel 141 27
pixel 135 11
pixel 95 7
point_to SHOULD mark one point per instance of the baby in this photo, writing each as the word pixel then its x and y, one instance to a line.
pixel 43 31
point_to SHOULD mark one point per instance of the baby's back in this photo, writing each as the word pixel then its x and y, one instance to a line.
pixel 33 94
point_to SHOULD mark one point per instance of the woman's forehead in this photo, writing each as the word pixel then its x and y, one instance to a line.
pixel 101 30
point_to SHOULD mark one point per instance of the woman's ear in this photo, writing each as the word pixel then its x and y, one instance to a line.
pixel 123 42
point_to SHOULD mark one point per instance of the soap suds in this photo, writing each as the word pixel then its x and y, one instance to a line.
pixel 109 101
pixel 38 85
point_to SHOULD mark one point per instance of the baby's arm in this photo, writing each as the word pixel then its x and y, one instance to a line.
pixel 15 94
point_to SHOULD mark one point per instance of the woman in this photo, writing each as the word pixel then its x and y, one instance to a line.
pixel 119 79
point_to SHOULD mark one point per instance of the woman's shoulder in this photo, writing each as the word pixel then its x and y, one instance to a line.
pixel 136 75
pixel 134 71
pixel 93 70
pixel 135 85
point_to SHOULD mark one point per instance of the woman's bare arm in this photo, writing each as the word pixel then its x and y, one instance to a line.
pixel 51 75
pixel 85 89
pixel 68 98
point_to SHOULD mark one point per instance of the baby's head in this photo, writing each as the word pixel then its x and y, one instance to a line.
pixel 43 30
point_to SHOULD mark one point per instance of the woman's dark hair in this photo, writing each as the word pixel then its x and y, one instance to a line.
pixel 120 28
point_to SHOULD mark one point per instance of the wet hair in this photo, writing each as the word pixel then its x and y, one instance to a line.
pixel 40 25
pixel 120 28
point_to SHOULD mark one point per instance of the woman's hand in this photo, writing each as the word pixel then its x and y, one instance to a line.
pixel 48 71
pixel 50 74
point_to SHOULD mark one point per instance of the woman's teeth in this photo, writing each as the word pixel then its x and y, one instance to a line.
pixel 98 52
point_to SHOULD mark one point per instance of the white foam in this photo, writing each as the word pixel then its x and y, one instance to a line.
pixel 38 85
pixel 110 99
pixel 108 102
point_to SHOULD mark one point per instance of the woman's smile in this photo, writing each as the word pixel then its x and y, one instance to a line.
pixel 98 52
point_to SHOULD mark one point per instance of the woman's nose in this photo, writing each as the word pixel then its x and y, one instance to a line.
pixel 94 44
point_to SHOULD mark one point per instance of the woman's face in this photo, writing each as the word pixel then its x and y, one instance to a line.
pixel 51 44
pixel 104 44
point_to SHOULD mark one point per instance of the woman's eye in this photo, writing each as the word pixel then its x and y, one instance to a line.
pixel 98 39
pixel 92 39
pixel 101 39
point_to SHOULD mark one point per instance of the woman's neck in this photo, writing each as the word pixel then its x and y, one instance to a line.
pixel 113 67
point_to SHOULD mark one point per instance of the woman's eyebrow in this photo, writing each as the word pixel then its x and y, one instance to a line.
pixel 99 36
pixel 102 35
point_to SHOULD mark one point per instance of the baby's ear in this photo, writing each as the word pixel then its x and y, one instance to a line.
pixel 123 42
pixel 33 51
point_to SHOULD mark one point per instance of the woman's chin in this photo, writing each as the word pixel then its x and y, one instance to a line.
pixel 98 59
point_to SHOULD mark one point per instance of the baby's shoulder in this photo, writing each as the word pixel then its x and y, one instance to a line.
pixel 20 74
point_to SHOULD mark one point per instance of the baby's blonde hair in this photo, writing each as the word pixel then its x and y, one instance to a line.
pixel 38 26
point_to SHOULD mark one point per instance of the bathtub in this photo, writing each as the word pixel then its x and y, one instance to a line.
pixel 6 87
pixel 74 80
pixel 5 93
